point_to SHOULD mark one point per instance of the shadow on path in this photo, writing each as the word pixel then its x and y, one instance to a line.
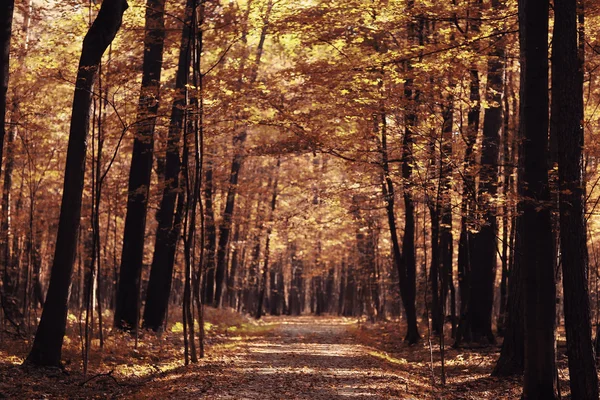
pixel 301 358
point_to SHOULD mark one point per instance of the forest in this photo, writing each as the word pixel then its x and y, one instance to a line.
pixel 267 199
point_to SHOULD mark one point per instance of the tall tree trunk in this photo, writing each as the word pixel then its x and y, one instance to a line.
pixel 434 270
pixel 127 308
pixel 211 235
pixel 508 220
pixel 567 93
pixel 445 209
pixel 265 271
pixel 468 204
pixel 6 17
pixel 169 213
pixel 540 311
pixel 512 354
pixel 11 269
pixel 407 288
pixel 408 240
pixel 484 241
pixel 47 345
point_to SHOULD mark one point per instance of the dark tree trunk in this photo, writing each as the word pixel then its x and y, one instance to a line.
pixel 127 307
pixel 540 311
pixel 468 204
pixel 6 17
pixel 445 207
pixel 434 269
pixel 211 235
pixel 407 286
pixel 168 217
pixel 342 288
pixel 567 93
pixel 512 355
pixel 265 270
pixel 483 266
pixel 51 330
pixel 232 277
pixel 508 220
pixel 465 243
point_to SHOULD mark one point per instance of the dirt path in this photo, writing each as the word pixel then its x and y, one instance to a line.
pixel 300 358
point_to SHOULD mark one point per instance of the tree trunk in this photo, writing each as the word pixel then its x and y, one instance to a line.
pixel 407 288
pixel 6 17
pixel 567 92
pixel 484 241
pixel 512 354
pixel 540 311
pixel 127 308
pixel 169 219
pixel 211 236
pixel 265 271
pixel 445 210
pixel 51 330
pixel 468 205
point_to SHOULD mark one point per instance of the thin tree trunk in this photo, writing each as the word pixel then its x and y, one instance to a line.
pixel 211 235
pixel 406 291
pixel 567 93
pixel 6 18
pixel 512 355
pixel 265 271
pixel 468 206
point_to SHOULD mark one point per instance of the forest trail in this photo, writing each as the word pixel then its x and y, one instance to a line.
pixel 299 358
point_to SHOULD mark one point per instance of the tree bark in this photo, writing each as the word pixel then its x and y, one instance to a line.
pixel 540 377
pixel 484 241
pixel 265 271
pixel 211 235
pixel 48 341
pixel 567 94
pixel 512 355
pixel 127 307
pixel 406 291
pixel 6 17
pixel 168 217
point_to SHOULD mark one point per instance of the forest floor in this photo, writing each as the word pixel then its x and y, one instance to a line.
pixel 276 358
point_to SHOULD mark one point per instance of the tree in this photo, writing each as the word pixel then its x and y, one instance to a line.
pixel 127 307
pixel 567 93
pixel 47 346
pixel 540 289
pixel 169 214
pixel 484 242
pixel 6 11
